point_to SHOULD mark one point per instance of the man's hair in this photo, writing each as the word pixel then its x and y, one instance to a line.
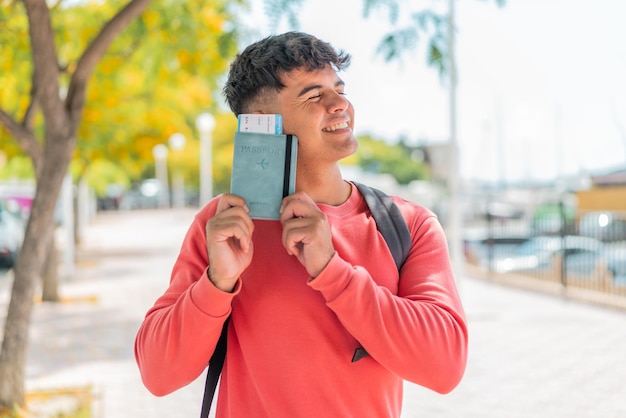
pixel 257 70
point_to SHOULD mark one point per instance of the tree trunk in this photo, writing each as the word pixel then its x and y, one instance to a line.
pixel 50 279
pixel 51 162
pixel 26 272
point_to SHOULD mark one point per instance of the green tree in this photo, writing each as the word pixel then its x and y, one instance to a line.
pixel 49 53
pixel 380 157
pixel 145 92
pixel 428 25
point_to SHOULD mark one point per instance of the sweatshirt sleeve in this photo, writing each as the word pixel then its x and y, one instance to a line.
pixel 420 334
pixel 179 333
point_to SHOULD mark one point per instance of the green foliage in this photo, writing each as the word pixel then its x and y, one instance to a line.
pixel 399 41
pixel 19 167
pixel 276 9
pixel 433 24
pixel 103 174
pixel 380 157
pixel 392 6
pixel 225 127
pixel 15 67
pixel 146 91
pixel 156 77
pixel 402 39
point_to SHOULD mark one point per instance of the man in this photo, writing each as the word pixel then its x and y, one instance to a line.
pixel 306 291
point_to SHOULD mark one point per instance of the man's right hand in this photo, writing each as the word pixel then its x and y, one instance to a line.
pixel 229 242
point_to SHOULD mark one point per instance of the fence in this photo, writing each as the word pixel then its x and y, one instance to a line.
pixel 553 246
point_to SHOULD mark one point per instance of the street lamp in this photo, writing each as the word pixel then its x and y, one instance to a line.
pixel 177 142
pixel 205 122
pixel 455 217
pixel 160 152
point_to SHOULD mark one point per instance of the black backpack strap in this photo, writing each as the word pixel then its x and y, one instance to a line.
pixel 389 221
pixel 215 369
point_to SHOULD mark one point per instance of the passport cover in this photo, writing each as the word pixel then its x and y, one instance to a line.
pixel 264 171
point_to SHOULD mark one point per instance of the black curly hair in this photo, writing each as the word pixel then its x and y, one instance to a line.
pixel 257 70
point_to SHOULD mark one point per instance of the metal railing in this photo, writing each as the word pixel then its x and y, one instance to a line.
pixel 573 251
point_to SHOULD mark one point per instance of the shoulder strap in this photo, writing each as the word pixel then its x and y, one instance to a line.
pixel 389 221
pixel 215 369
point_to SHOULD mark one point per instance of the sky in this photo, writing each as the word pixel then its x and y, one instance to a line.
pixel 541 83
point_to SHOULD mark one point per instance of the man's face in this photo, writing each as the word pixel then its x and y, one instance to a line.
pixel 315 109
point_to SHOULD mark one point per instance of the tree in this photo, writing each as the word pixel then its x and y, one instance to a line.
pixel 380 157
pixel 405 36
pixel 50 160
pixel 148 91
pixel 44 118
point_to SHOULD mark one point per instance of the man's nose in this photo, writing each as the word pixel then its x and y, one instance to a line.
pixel 337 102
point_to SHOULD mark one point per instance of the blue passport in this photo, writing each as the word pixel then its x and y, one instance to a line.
pixel 264 171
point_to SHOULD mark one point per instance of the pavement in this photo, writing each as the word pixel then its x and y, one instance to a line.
pixel 531 354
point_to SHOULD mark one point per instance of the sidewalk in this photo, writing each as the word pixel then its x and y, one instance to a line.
pixel 531 355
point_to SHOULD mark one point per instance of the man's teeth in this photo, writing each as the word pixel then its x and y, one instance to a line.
pixel 335 127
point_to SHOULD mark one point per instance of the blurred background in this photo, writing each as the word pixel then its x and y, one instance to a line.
pixel 513 131
pixel 537 117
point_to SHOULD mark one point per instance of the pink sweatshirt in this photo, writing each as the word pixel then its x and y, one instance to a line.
pixel 291 339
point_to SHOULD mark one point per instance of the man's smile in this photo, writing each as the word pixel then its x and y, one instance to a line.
pixel 336 126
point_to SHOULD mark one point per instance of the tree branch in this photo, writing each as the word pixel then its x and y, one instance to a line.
pixel 23 136
pixel 46 73
pixel 75 99
pixel 29 115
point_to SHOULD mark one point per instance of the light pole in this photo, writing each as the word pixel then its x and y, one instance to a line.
pixel 177 142
pixel 455 216
pixel 160 152
pixel 205 122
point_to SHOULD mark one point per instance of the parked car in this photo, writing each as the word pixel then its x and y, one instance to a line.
pixel 603 225
pixel 11 236
pixel 480 250
pixel 614 258
pixel 585 257
pixel 610 259
pixel 538 253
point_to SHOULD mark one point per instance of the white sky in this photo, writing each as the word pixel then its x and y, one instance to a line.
pixel 542 83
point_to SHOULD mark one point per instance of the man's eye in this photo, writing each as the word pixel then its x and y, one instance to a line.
pixel 317 96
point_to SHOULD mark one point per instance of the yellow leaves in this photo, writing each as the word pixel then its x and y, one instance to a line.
pixel 152 19
pixel 154 79
pixel 142 145
pixel 184 57
pixel 91 115
pixel 110 101
pixel 212 20
pixel 110 64
pixel 102 173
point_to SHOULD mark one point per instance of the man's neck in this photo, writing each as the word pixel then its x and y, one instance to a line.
pixel 326 187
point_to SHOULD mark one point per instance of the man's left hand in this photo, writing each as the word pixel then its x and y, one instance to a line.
pixel 306 233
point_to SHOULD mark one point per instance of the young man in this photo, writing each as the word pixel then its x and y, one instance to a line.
pixel 306 291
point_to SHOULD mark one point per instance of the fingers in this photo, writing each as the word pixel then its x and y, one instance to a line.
pixel 229 201
pixel 297 214
pixel 231 223
pixel 229 241
pixel 306 232
pixel 297 205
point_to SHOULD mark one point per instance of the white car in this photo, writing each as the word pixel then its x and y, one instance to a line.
pixel 539 253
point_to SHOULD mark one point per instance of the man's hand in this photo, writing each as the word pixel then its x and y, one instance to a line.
pixel 306 233
pixel 229 241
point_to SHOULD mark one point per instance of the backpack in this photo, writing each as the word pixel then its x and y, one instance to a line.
pixel 393 228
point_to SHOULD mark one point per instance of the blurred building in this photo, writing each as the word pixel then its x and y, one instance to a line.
pixel 607 192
